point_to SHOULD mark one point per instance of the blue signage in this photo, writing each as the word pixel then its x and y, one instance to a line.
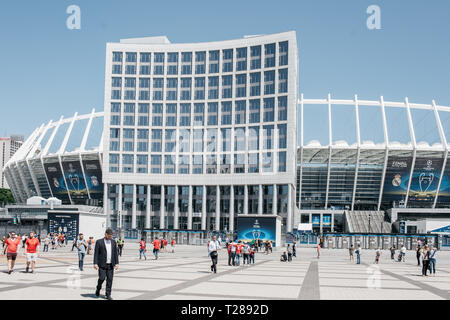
pixel 256 228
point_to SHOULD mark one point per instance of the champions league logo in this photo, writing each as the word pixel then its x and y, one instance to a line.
pixel 425 180
pixel 73 178
pixel 256 230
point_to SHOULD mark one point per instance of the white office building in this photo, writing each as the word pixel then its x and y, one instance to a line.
pixel 196 134
pixel 8 146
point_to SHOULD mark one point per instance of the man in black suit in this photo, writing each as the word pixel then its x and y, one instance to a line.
pixel 106 260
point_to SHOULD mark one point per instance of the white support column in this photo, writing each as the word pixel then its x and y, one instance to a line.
pixel 106 210
pixel 413 139
pixel 358 141
pixel 67 136
pixel 148 208
pixel 86 132
pixel 133 209
pixel 245 199
pixel 444 143
pixel 204 208
pixel 260 199
pixel 301 152
pixel 231 220
pixel 176 210
pixel 162 210
pixel 289 210
pixel 330 139
pixel 386 156
pixel 119 203
pixel 274 200
pixel 217 226
pixel 189 225
pixel 332 222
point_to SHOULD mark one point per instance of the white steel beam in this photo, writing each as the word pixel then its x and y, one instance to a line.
pixel 358 142
pixel 444 143
pixel 62 149
pixel 413 140
pixel 386 156
pixel 330 139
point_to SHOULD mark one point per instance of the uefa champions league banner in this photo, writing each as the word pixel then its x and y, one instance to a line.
pixel 75 181
pixel 93 173
pixel 396 179
pixel 256 228
pixel 425 179
pixel 444 191
pixel 56 181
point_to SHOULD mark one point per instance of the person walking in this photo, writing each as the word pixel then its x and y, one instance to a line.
pixel 233 249
pixel 318 250
pixel 81 246
pixel 432 257
pixel 403 253
pixel 156 247
pixel 120 244
pixel 358 254
pixel 53 242
pixel 142 249
pixel 32 251
pixel 350 252
pixel 24 239
pixel 238 253
pixel 418 254
pixel 392 249
pixel 106 260
pixel 3 242
pixel 294 250
pixel 377 255
pixel 229 245
pixel 252 254
pixel 213 249
pixel 425 260
pixel 289 252
pixel 172 245
pixel 11 249
pixel 46 243
pixel 90 243
pixel 246 252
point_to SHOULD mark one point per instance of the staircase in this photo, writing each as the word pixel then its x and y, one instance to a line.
pixel 358 222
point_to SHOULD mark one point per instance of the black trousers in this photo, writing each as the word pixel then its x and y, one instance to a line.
pixel 107 273
pixel 214 262
pixel 120 250
pixel 425 266
pixel 229 259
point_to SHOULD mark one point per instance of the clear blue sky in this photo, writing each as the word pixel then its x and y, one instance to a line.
pixel 48 70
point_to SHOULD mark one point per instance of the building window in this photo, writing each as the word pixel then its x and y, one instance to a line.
pixel 255 57
pixel 172 85
pixel 239 112
pixel 199 111
pixel 227 90
pixel 283 53
pixel 186 63
pixel 157 113
pixel 282 81
pixel 269 106
pixel 227 63
pixel 226 113
pixel 186 84
pixel 117 56
pixel 171 114
pixel 269 82
pixel 199 93
pixel 269 53
pixel 241 59
pixel 214 61
pixel 172 63
pixel 282 108
pixel 212 113
pixel 185 114
pixel 213 87
pixel 200 62
pixel 241 83
pixel 254 111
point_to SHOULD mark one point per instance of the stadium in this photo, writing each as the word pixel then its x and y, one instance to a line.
pixel 195 136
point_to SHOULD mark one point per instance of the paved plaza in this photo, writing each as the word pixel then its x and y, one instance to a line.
pixel 186 274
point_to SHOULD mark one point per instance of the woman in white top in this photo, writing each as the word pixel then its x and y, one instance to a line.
pixel 213 247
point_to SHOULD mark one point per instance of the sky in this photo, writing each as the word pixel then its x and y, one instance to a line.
pixel 47 70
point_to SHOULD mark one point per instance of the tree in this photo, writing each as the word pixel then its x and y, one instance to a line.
pixel 6 197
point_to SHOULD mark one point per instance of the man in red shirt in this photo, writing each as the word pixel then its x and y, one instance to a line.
pixel 156 247
pixel 12 245
pixel 142 249
pixel 32 251
pixel 173 245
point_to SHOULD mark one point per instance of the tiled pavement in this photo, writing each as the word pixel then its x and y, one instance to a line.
pixel 186 274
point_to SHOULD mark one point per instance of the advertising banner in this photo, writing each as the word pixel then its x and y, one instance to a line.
pixel 425 179
pixel 56 181
pixel 93 173
pixel 444 191
pixel 316 220
pixel 326 220
pixel 75 181
pixel 256 228
pixel 66 223
pixel 396 180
